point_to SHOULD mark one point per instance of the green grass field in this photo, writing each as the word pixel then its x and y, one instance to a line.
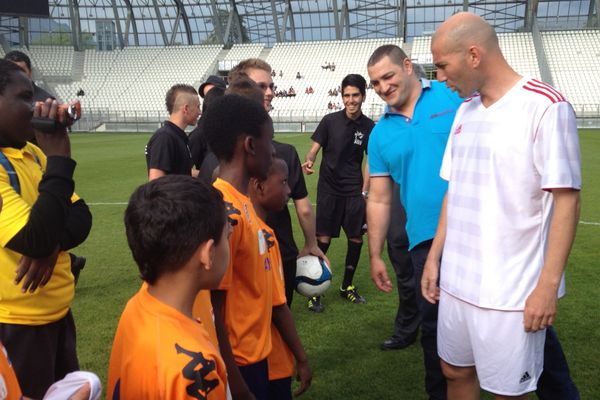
pixel 342 343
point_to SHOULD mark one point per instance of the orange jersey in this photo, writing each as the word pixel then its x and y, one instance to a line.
pixel 203 311
pixel 247 281
pixel 9 386
pixel 281 359
pixel 159 353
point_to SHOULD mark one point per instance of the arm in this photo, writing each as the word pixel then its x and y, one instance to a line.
pixel 431 270
pixel 239 389
pixel 306 218
pixel 365 186
pixel 282 318
pixel 378 214
pixel 540 306
pixel 78 225
pixel 154 173
pixel 310 158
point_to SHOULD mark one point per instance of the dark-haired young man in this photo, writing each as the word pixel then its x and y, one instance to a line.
pixel 168 151
pixel 41 219
pixel 243 303
pixel 260 72
pixel 24 62
pixel 342 188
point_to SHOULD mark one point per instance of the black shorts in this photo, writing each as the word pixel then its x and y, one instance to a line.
pixel 40 354
pixel 280 389
pixel 256 377
pixel 335 212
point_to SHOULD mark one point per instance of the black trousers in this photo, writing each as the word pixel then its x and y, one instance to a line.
pixel 408 319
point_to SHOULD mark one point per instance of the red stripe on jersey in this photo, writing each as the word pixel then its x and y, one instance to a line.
pixel 543 93
pixel 468 99
pixel 552 89
pixel 542 85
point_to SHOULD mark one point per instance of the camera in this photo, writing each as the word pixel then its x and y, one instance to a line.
pixel 72 112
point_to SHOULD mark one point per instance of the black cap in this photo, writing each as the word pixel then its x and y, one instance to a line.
pixel 212 80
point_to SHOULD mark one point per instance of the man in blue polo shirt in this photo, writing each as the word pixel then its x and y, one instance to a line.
pixel 406 146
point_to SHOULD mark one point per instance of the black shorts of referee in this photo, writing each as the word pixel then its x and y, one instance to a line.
pixel 335 212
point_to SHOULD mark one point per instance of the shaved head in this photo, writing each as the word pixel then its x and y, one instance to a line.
pixel 463 30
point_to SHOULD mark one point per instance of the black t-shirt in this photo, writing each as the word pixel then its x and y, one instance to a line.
pixel 168 150
pixel 281 221
pixel 198 146
pixel 344 143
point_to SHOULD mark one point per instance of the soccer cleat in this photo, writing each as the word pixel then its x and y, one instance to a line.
pixel 315 305
pixel 351 294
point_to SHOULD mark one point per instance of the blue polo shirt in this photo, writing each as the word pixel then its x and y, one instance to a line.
pixel 410 151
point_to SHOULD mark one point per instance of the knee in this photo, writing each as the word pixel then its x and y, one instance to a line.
pixel 454 373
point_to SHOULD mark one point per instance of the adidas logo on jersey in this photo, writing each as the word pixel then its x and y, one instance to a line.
pixel 525 377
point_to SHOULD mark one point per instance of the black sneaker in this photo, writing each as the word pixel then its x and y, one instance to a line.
pixel 315 305
pixel 351 294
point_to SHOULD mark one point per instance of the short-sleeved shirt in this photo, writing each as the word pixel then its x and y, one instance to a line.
pixel 344 143
pixel 9 386
pixel 159 353
pixel 47 304
pixel 281 359
pixel 198 145
pixel 168 150
pixel 248 281
pixel 502 162
pixel 410 151
pixel 281 221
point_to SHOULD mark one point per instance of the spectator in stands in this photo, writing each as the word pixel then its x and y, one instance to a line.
pixel 167 151
pixel 23 61
pixel 311 90
pixel 280 73
pixel 329 106
pixel 291 92
pixel 40 220
pixel 273 74
pixel 298 76
pixel 80 92
pixel 211 82
pixel 260 72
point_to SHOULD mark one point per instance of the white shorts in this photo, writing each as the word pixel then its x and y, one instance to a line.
pixel 508 360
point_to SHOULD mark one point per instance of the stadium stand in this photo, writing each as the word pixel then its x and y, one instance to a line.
pixel 573 57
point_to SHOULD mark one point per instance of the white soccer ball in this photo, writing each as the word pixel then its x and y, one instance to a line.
pixel 313 276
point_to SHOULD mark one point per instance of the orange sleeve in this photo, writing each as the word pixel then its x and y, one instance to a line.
pixel 278 281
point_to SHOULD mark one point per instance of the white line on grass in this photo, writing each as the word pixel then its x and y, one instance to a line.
pixel 121 203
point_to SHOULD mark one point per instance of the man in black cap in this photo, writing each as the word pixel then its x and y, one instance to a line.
pixel 210 83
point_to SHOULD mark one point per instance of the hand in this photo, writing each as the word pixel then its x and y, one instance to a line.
pixel 37 271
pixel 429 286
pixel 380 276
pixel 307 167
pixel 540 308
pixel 304 376
pixel 56 143
pixel 315 251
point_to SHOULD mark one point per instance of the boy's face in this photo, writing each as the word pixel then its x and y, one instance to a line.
pixel 276 191
pixel 16 108
pixel 260 162
pixel 221 255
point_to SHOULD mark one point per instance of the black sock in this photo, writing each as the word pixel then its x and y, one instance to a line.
pixel 352 257
pixel 324 246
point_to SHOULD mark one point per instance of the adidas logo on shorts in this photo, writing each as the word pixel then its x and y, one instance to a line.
pixel 525 377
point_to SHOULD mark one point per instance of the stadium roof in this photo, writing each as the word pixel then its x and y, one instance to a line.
pixel 107 24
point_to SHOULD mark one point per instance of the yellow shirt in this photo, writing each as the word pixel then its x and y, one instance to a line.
pixel 51 302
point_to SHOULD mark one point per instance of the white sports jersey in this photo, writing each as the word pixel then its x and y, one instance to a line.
pixel 501 163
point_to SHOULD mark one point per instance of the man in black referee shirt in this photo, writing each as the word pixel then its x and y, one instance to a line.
pixel 342 187
pixel 167 151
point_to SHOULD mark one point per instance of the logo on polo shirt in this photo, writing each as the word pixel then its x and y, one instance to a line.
pixel 358 138
pixel 199 370
pixel 525 377
pixel 458 129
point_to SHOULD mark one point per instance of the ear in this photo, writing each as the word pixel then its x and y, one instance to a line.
pixel 408 67
pixel 206 253
pixel 474 56
pixel 249 145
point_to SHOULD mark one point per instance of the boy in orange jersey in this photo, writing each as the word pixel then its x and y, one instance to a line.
pixel 271 195
pixel 239 132
pixel 178 234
